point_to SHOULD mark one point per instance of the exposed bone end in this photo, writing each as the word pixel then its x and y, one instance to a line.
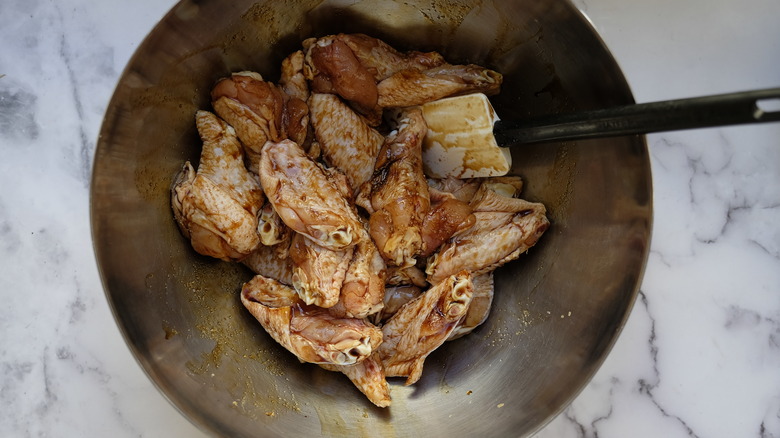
pixel 430 267
pixel 269 232
pixel 270 227
pixel 306 292
pixel 402 249
pixel 460 296
pixel 309 292
pixel 354 347
pixel 479 308
pixel 341 237
pixel 335 239
pixel 350 352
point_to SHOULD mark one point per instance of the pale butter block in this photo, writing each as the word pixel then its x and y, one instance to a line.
pixel 460 140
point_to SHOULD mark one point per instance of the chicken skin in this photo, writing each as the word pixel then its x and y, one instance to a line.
pixel 216 208
pixel 269 292
pixel 447 217
pixel 332 67
pixel 369 377
pixel 363 290
pixel 382 60
pixel 505 228
pixel 397 194
pixel 292 80
pixel 272 262
pixel 312 334
pixel 395 298
pixel 261 111
pixel 479 308
pixel 422 325
pixel 254 108
pixel 306 198
pixel 318 272
pixel 414 87
pixel 405 276
pixel 465 189
pixel 346 141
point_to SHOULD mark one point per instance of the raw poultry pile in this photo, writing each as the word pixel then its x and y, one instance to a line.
pixel 364 266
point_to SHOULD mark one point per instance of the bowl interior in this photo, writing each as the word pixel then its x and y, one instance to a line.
pixel 557 310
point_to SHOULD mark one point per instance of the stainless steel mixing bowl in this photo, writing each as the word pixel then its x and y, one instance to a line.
pixel 557 311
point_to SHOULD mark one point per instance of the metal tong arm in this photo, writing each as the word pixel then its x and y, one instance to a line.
pixel 671 115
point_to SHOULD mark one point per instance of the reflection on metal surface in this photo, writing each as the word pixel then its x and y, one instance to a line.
pixel 557 310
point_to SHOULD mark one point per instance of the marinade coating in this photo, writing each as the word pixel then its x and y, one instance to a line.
pixel 369 377
pixel 314 335
pixel 422 325
pixel 254 108
pixel 382 60
pixel 216 207
pixel 479 308
pixel 411 87
pixel 363 289
pixel 318 272
pixel 397 194
pixel 505 228
pixel 346 141
pixel 332 67
pixel 447 217
pixel 269 292
pixel 271 261
pixel 306 197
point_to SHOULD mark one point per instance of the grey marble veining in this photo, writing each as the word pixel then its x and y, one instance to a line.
pixel 698 357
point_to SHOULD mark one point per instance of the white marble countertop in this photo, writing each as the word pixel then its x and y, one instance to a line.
pixel 699 356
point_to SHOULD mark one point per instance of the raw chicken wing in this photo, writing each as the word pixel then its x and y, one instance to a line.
pixel 398 192
pixel 306 198
pixel 269 292
pixel 479 308
pixel 292 80
pixel 395 298
pixel 254 108
pixel 272 262
pixel 346 141
pixel 369 377
pixel 465 189
pixel 332 67
pixel 422 325
pixel 414 87
pixel 216 208
pixel 447 217
pixel 315 336
pixel 363 290
pixel 382 60
pixel 505 228
pixel 318 272
pixel 407 275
